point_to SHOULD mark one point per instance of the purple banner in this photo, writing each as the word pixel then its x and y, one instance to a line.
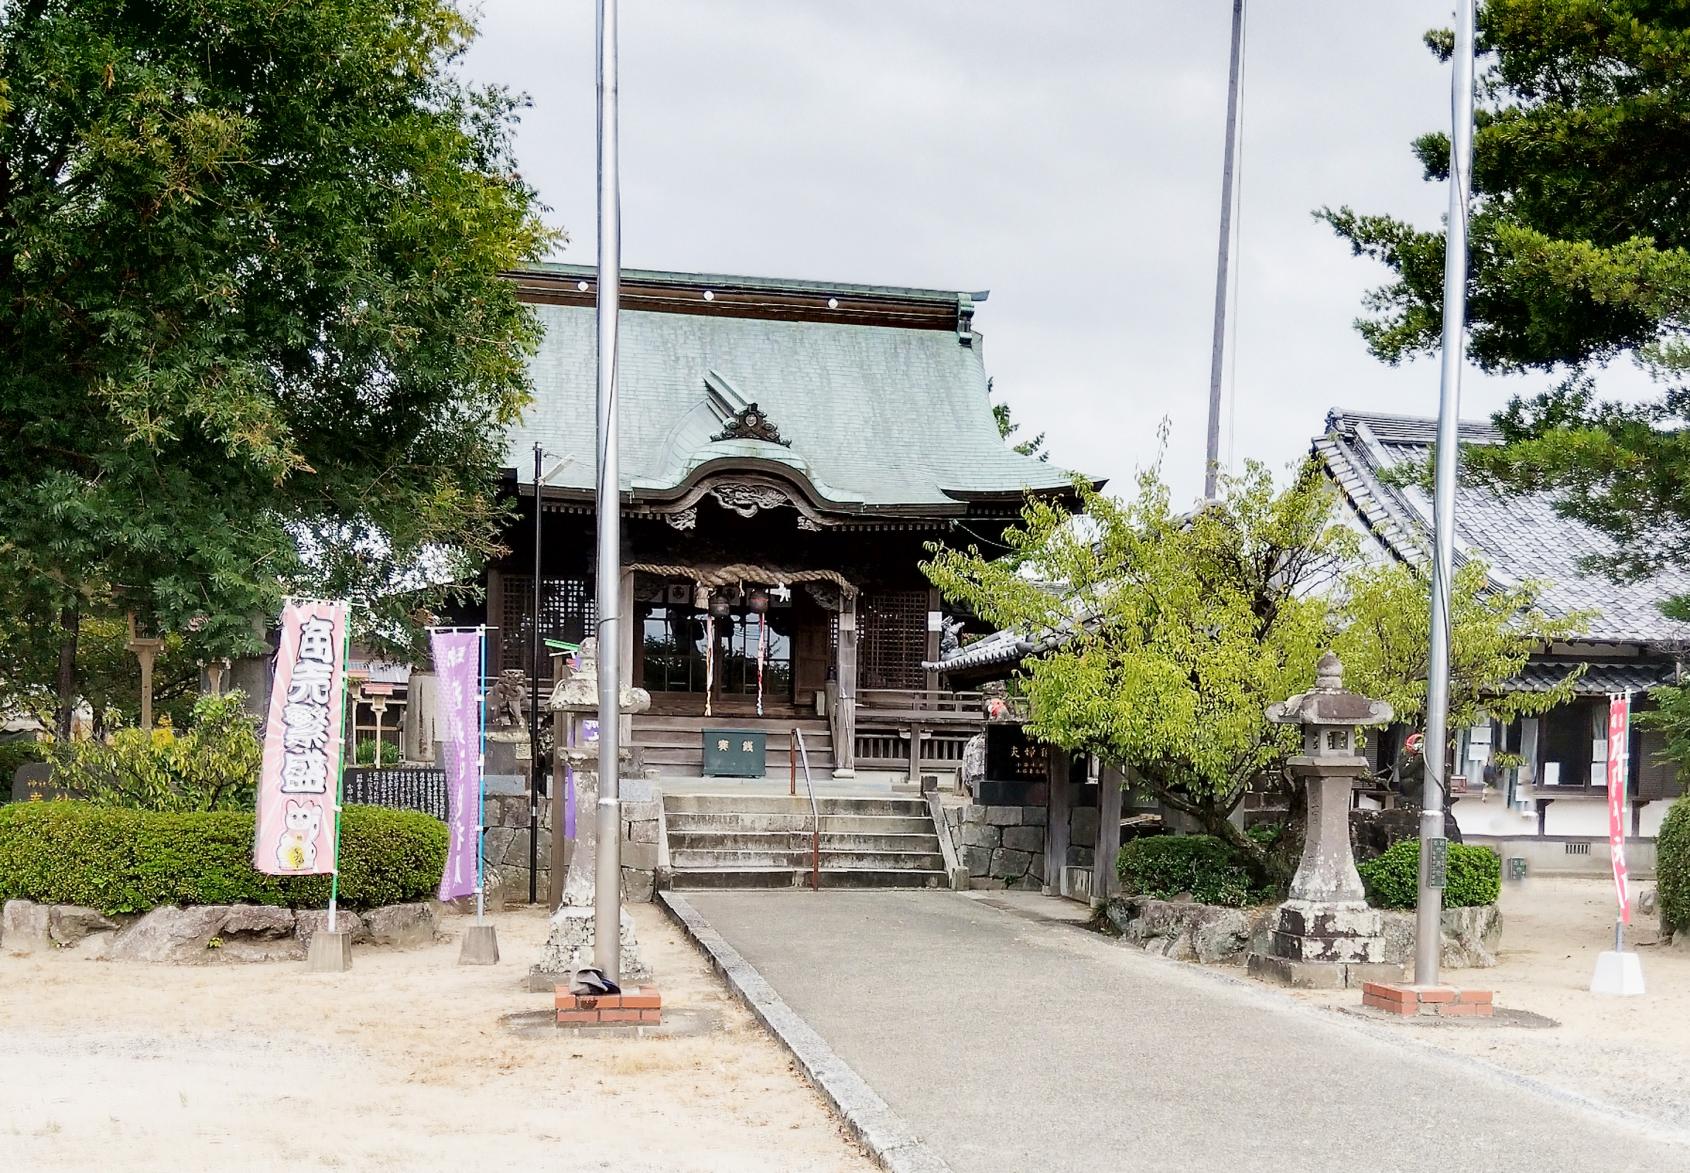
pixel 457 666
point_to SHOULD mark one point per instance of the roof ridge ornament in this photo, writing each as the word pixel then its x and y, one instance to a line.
pixel 750 423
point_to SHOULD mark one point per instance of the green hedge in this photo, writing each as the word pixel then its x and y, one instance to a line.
pixel 1165 866
pixel 1672 867
pixel 119 860
pixel 1393 879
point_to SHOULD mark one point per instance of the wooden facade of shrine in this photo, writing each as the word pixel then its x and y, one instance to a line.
pixel 789 450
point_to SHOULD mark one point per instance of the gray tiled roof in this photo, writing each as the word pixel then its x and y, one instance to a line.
pixel 1519 538
pixel 1601 677
pixel 876 415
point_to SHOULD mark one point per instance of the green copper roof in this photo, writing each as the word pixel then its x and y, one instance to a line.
pixel 874 416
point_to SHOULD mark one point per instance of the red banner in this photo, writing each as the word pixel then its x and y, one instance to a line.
pixel 299 785
pixel 1619 758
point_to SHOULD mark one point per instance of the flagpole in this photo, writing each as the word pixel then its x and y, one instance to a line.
pixel 340 757
pixel 481 784
pixel 1217 349
pixel 607 887
pixel 1428 924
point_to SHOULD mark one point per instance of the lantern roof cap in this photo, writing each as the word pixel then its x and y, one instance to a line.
pixel 1328 703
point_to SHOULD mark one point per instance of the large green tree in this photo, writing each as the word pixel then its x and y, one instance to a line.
pixel 253 338
pixel 1176 631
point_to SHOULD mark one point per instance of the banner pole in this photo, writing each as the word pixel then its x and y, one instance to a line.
pixel 340 758
pixel 481 788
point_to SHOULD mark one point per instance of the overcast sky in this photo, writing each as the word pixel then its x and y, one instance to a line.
pixel 1065 155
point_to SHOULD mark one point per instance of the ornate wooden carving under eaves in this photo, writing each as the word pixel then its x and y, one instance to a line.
pixel 749 423
pixel 684 520
pixel 746 499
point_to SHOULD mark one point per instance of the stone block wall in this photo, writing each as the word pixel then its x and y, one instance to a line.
pixel 507 849
pixel 1001 846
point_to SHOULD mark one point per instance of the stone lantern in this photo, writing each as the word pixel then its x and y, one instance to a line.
pixel 1325 935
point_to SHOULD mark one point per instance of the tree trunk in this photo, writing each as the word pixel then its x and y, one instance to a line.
pixel 69 621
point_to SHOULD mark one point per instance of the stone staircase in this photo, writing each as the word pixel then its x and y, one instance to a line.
pixel 764 841
pixel 674 745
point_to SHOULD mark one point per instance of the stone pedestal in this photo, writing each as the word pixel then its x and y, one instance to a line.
pixel 480 947
pixel 329 952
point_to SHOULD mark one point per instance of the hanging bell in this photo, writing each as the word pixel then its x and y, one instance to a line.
pixel 720 605
pixel 757 600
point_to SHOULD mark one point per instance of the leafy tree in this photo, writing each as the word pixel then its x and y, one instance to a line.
pixel 253 337
pixel 1179 629
pixel 1579 225
pixel 108 675
pixel 212 765
pixel 1008 427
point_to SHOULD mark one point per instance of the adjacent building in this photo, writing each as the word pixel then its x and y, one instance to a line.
pixel 1554 799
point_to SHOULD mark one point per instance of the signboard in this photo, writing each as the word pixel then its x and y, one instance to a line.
pixel 409 788
pixel 1619 757
pixel 457 665
pixel 33 782
pixel 1012 756
pixel 1437 863
pixel 298 786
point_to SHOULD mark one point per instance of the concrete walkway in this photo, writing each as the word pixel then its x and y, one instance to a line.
pixel 1012 1043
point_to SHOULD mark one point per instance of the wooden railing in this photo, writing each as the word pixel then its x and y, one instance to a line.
pixel 920 700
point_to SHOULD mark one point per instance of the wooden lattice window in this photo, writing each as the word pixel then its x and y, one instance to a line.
pixel 567 612
pixel 892 639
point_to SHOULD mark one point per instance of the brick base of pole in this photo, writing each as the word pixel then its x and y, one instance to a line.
pixel 639 1004
pixel 1409 1001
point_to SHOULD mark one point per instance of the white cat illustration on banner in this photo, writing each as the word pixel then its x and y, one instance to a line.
pixel 296 850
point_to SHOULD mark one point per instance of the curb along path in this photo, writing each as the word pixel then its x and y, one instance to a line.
pixel 867 1116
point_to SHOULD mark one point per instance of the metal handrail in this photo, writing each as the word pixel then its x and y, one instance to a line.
pixel 815 815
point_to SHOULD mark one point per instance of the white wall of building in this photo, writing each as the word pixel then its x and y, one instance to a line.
pixel 1490 815
pixel 1577 816
pixel 1649 818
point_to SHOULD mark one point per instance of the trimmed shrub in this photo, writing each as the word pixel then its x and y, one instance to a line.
pixel 1393 879
pixel 120 861
pixel 1165 866
pixel 1672 867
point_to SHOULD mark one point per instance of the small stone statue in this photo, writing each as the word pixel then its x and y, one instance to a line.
pixel 507 699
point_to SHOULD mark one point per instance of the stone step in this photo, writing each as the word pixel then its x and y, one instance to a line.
pixel 694 738
pixel 795 821
pixel 821 764
pixel 810 725
pixel 738 839
pixel 782 877
pixel 777 804
pixel 831 860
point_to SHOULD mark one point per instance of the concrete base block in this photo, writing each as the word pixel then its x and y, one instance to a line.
pixel 480 947
pixel 959 879
pixel 329 952
pixel 1319 975
pixel 1618 974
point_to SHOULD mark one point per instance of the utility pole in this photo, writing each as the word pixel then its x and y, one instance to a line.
pixel 1428 932
pixel 607 886
pixel 1212 460
pixel 536 759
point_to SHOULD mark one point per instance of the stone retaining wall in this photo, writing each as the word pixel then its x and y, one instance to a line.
pixel 1002 846
pixel 205 933
pixel 507 844
pixel 1212 935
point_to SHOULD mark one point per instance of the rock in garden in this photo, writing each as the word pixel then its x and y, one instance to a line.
pixel 68 924
pixel 171 935
pixel 403 926
pixel 308 922
pixel 25 926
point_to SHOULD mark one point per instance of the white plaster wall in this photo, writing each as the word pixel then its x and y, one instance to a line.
pixel 1577 816
pixel 1649 818
pixel 1490 815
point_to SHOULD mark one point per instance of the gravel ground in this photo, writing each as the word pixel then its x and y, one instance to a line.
pixel 400 1064
pixel 1632 1054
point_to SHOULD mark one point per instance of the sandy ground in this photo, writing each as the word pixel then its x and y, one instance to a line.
pixel 1632 1054
pixel 400 1064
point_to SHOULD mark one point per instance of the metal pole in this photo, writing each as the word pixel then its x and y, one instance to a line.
pixel 535 759
pixel 1212 461
pixel 480 782
pixel 607 888
pixel 1427 926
